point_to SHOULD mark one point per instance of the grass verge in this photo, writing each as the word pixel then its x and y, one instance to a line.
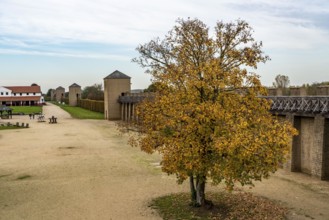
pixel 23 177
pixel 81 113
pixel 5 175
pixel 26 109
pixel 9 127
pixel 238 205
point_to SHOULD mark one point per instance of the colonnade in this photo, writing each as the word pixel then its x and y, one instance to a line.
pixel 128 102
pixel 22 103
pixel 128 112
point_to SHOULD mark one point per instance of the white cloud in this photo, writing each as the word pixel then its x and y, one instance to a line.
pixel 294 33
pixel 65 54
pixel 119 22
pixel 13 42
pixel 129 23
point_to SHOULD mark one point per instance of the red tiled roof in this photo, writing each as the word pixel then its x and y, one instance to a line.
pixel 24 89
pixel 20 98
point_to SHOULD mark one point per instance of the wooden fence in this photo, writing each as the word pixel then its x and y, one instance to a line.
pixel 92 105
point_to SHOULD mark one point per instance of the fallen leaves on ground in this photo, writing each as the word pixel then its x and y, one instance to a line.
pixel 227 206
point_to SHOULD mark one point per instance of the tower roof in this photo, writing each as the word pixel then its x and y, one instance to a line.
pixel 74 85
pixel 59 88
pixel 117 75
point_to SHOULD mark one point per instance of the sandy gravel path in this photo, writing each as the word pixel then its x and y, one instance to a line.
pixel 84 169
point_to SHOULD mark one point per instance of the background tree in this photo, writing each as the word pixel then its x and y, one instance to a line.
pixel 208 122
pixel 94 92
pixel 281 81
pixel 49 92
pixel 154 87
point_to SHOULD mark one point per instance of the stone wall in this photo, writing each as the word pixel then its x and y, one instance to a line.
pixel 325 160
pixel 322 91
pixel 310 148
pixel 274 91
pixel 306 144
pixel 297 91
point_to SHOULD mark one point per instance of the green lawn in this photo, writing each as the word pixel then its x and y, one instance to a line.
pixel 26 109
pixel 81 113
pixel 9 127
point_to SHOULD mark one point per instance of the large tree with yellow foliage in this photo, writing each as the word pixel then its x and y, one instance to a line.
pixel 206 118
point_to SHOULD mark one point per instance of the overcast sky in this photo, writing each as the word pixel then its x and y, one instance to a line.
pixel 60 42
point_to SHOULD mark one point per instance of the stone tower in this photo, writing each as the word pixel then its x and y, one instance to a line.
pixel 74 94
pixel 114 85
pixel 59 94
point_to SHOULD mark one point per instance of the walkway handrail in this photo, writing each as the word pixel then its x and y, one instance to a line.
pixel 292 104
pixel 299 104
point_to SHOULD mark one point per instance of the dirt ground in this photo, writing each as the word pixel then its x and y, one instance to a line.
pixel 84 169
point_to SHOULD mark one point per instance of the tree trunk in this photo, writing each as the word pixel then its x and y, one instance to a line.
pixel 200 187
pixel 193 191
pixel 197 187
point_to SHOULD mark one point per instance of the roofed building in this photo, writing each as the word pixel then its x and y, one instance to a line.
pixel 115 85
pixel 74 94
pixel 21 95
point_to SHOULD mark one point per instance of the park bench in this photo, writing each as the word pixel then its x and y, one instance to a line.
pixel 41 118
pixel 5 117
pixel 52 120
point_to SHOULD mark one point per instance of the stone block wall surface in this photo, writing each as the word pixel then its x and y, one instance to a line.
pixel 274 91
pixel 298 91
pixel 59 94
pixel 310 148
pixel 74 95
pixel 322 91
pixel 318 144
pixel 325 158
pixel 288 164
pixel 294 91
pixel 113 88
pixel 295 148
pixel 306 144
pixel 271 91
